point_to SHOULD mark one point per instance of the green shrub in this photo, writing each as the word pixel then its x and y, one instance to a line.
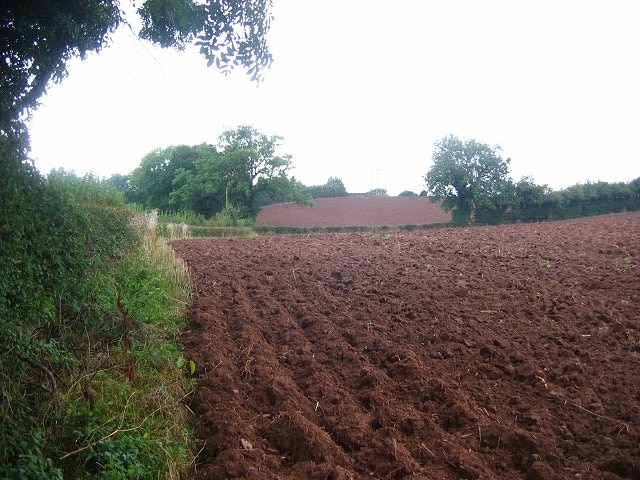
pixel 27 462
pixel 129 456
pixel 88 318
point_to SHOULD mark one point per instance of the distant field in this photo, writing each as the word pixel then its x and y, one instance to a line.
pixel 354 211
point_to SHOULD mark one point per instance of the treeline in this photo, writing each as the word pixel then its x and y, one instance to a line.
pixel 230 181
pixel 526 201
pixel 233 178
pixel 333 188
pixel 472 180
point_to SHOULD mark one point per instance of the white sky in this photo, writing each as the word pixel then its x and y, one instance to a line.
pixel 361 90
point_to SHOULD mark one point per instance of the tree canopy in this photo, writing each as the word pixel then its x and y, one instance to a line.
pixel 242 171
pixel 377 192
pixel 39 37
pixel 333 188
pixel 472 181
pixel 469 178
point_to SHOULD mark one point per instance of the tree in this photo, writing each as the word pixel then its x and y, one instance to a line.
pixel 377 192
pixel 39 37
pixel 242 171
pixel 251 168
pixel 333 188
pixel 634 201
pixel 203 188
pixel 152 180
pixel 468 178
pixel 407 193
pixel 534 203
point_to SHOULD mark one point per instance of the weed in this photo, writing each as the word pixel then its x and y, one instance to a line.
pixel 624 264
pixel 543 262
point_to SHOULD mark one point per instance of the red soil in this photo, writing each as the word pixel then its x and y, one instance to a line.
pixel 507 352
pixel 354 211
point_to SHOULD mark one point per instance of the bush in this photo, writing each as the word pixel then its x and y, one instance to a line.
pixel 87 314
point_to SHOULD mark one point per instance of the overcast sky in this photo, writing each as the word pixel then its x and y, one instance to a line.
pixel 361 90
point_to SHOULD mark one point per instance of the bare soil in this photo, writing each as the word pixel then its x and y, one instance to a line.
pixel 354 211
pixel 506 352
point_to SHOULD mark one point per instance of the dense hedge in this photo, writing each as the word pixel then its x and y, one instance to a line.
pixel 57 239
pixel 528 202
pixel 76 292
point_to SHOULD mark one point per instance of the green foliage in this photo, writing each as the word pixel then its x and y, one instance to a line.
pixel 29 462
pixel 333 188
pixel 203 188
pixel 228 32
pixel 232 179
pixel 533 203
pixel 280 189
pixel 377 192
pixel 539 203
pixel 171 23
pixel 41 36
pixel 253 168
pixel 144 290
pixel 124 458
pixel 153 180
pixel 407 193
pixel 187 217
pixel 76 278
pixel 493 209
pixel 53 250
pixel 190 365
pixel 191 224
pixel 470 179
pixel 122 183
pixel 230 215
pixel 598 198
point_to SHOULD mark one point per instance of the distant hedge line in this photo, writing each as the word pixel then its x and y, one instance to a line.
pixel 266 229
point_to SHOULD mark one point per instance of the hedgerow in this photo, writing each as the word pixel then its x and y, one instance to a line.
pixel 91 303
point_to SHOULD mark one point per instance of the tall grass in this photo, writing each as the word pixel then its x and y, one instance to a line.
pixel 227 218
pixel 175 226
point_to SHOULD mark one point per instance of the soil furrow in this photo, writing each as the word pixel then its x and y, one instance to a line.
pixel 505 352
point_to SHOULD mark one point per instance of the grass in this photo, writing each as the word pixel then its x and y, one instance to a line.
pixel 176 226
pixel 129 389
pixel 195 219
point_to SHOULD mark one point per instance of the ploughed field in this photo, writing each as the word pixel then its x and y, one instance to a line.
pixel 376 211
pixel 507 352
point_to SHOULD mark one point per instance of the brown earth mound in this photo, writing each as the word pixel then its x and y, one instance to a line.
pixel 354 211
pixel 489 353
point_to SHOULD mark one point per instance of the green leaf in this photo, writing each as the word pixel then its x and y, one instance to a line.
pixel 181 362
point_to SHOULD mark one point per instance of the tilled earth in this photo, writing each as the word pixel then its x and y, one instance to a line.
pixel 376 211
pixel 487 353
